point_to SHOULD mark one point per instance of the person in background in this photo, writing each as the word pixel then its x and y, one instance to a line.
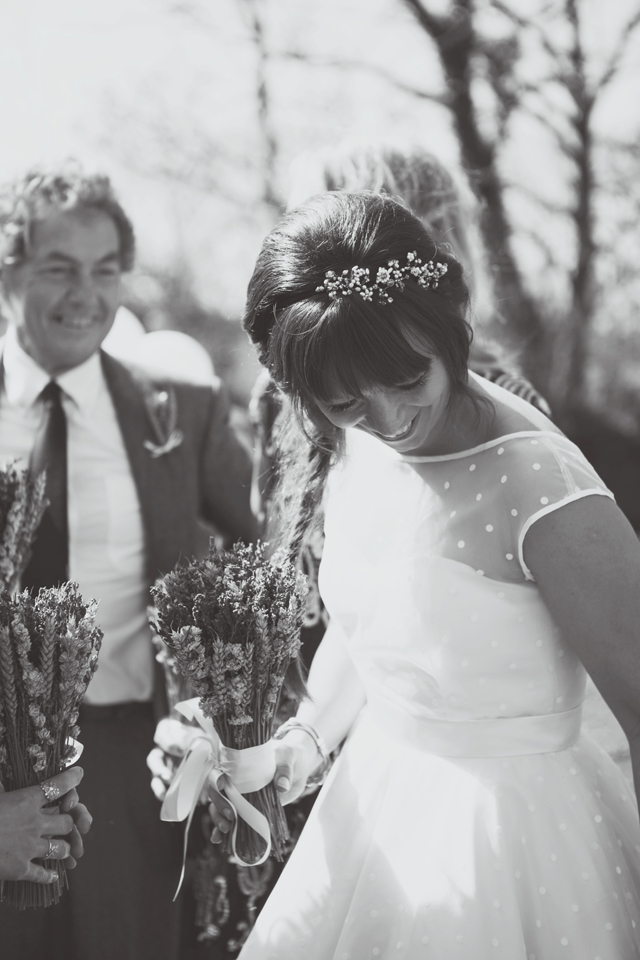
pixel 160 352
pixel 440 196
pixel 138 460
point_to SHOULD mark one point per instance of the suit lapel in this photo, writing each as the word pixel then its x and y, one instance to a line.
pixel 167 515
pixel 157 480
pixel 135 427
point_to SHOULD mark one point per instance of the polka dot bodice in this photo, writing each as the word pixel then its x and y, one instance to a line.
pixel 484 501
pixel 424 569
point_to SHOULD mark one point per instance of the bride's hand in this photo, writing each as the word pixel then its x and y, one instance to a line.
pixel 172 737
pixel 296 759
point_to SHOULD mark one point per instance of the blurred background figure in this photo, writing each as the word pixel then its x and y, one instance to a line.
pixel 161 352
pixel 436 193
pixel 441 197
pixel 125 331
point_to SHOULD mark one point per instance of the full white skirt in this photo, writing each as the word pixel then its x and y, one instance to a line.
pixel 408 855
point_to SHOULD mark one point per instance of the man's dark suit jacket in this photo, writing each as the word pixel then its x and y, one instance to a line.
pixel 208 476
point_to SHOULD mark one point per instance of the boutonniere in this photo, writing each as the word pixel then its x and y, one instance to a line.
pixel 162 408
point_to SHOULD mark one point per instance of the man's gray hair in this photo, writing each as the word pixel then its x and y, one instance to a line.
pixel 66 187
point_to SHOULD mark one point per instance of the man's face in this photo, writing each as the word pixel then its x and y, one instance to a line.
pixel 63 297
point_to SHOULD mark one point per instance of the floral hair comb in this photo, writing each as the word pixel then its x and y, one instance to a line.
pixel 393 276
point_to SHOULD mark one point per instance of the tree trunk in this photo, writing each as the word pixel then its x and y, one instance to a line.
pixel 579 320
pixel 456 42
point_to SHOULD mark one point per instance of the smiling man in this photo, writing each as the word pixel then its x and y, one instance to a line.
pixel 132 463
pixel 64 294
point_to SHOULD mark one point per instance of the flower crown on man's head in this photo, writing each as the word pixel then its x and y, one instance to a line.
pixel 393 276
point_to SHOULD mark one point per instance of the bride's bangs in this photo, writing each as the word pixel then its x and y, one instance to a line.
pixel 358 346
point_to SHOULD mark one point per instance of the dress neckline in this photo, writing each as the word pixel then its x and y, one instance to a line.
pixel 409 458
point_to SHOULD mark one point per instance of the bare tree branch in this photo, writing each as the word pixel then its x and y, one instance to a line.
pixel 557 209
pixel 549 253
pixel 372 68
pixel 267 135
pixel 434 25
pixel 193 12
pixel 561 139
pixel 616 58
pixel 522 23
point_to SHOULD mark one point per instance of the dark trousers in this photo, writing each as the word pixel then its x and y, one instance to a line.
pixel 119 905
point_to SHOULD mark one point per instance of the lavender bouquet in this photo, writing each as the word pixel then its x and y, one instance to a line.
pixel 48 654
pixel 232 624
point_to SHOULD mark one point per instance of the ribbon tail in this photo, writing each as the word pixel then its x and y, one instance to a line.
pixel 256 820
pixel 185 842
pixel 190 778
pixel 182 796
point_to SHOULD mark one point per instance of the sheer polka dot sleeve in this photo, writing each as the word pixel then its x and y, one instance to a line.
pixel 540 473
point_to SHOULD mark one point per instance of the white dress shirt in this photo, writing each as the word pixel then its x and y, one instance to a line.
pixel 106 537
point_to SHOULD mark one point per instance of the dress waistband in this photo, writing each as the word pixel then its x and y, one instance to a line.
pixel 500 737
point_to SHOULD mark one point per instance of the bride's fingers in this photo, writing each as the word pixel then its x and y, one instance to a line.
pixel 295 790
pixel 284 776
pixel 220 809
pixel 158 765
pixel 223 820
pixel 159 788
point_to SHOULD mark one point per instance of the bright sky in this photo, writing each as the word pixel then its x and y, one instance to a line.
pixel 61 62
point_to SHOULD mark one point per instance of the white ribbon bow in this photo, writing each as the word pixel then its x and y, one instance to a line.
pixel 207 758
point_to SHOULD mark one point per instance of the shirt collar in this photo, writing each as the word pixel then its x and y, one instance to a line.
pixel 84 382
pixel 24 379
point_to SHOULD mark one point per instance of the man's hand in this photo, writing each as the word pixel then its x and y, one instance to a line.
pixel 82 821
pixel 32 827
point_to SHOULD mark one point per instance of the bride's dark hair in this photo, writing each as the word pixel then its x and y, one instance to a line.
pixel 315 347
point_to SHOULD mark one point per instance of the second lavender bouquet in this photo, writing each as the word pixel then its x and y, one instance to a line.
pixel 48 653
pixel 232 622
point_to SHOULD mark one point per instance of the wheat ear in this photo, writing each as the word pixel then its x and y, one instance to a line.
pixel 47 651
pixel 8 675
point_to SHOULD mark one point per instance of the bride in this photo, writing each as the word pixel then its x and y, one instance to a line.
pixel 475 565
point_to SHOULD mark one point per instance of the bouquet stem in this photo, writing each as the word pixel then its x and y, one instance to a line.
pixel 23 894
pixel 250 847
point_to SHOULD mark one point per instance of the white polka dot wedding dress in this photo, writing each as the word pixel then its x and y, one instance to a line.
pixel 466 818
